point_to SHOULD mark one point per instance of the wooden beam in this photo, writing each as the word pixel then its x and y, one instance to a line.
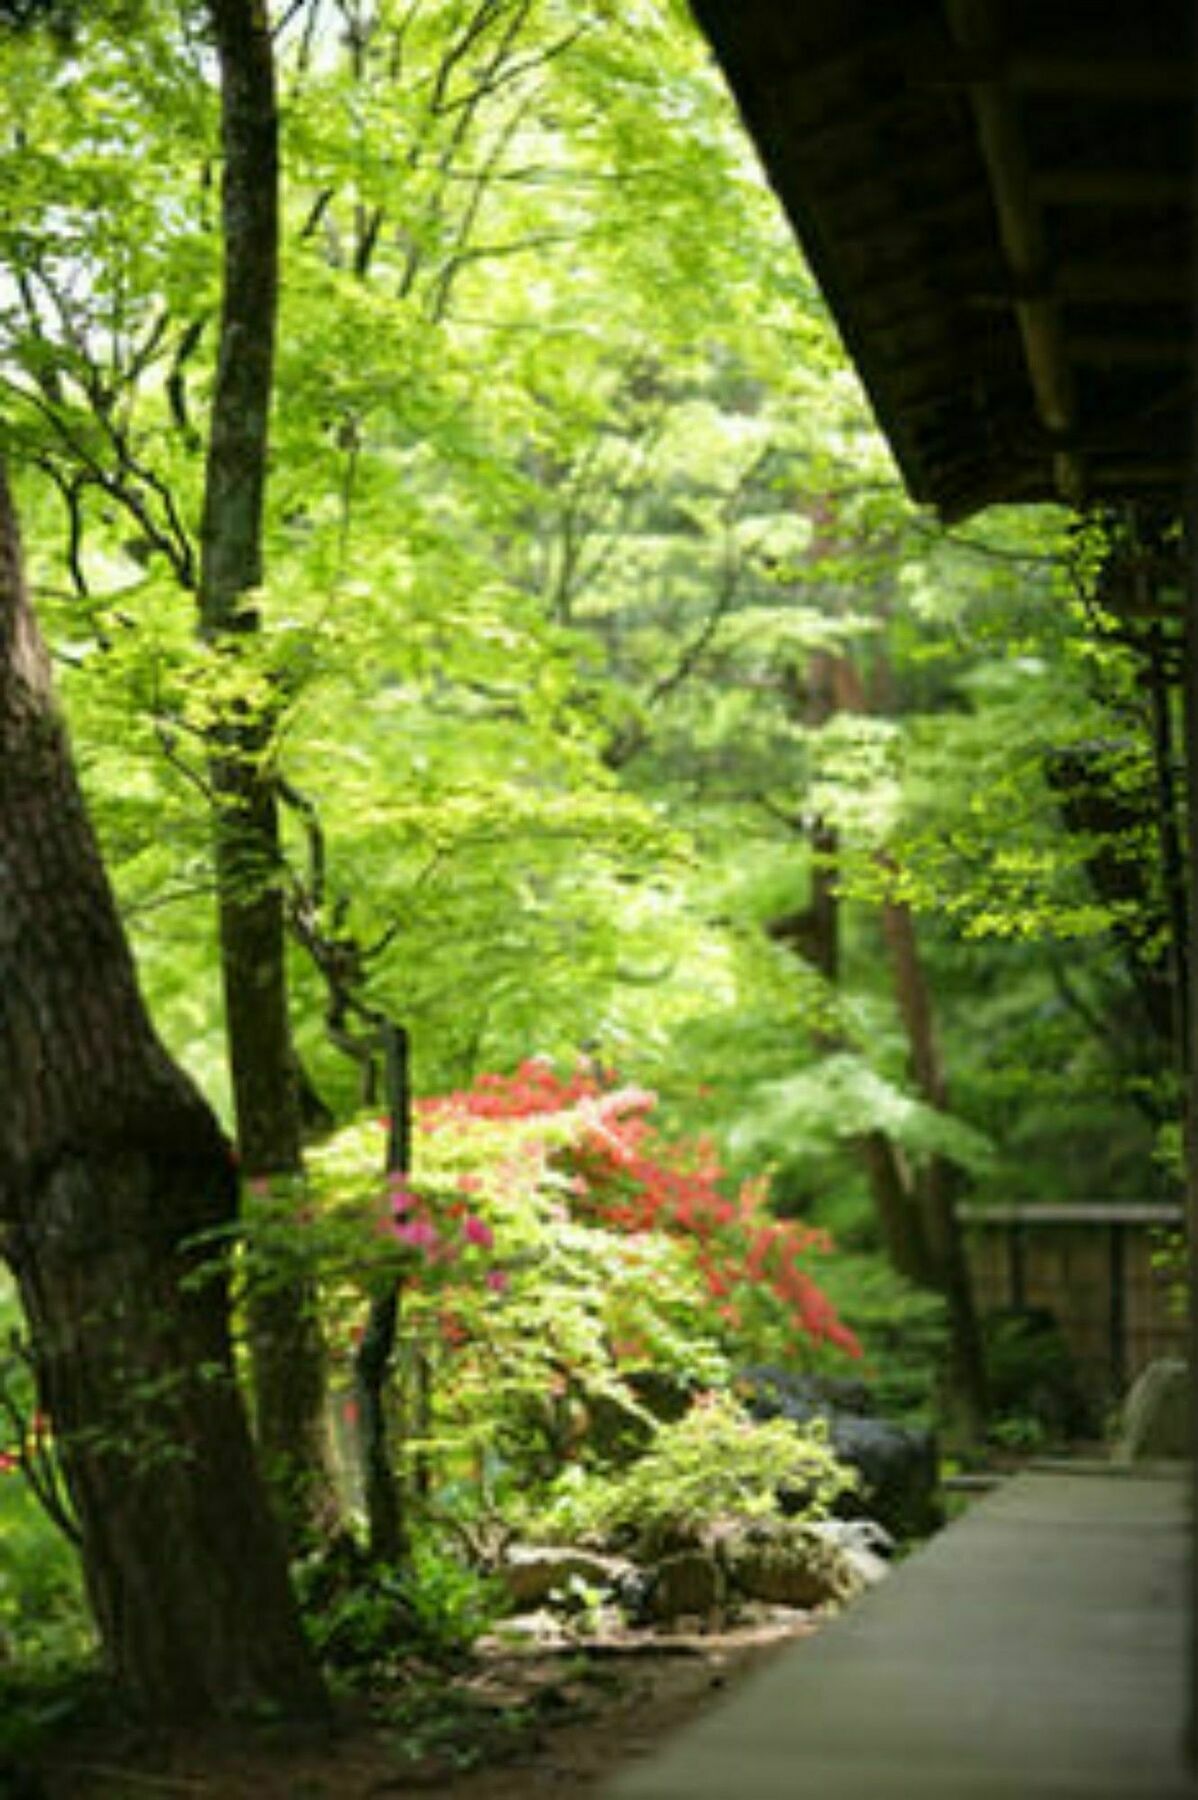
pixel 1132 284
pixel 975 26
pixel 1158 474
pixel 818 133
pixel 1112 349
pixel 1104 77
pixel 1135 188
pixel 1072 1212
pixel 1106 283
pixel 1107 76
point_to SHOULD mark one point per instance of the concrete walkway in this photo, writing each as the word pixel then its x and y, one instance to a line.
pixel 1035 1650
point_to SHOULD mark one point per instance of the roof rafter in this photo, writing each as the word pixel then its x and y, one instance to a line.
pixel 975 25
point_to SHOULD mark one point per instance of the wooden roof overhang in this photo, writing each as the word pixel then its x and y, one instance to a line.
pixel 998 201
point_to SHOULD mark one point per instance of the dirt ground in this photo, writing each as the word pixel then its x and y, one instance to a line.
pixel 529 1723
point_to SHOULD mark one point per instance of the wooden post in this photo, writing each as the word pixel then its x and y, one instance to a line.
pixel 1016 1266
pixel 1190 694
pixel 1117 1307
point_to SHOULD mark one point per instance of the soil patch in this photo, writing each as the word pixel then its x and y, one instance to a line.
pixel 516 1725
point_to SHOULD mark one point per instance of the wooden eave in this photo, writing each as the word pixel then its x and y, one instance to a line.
pixel 998 201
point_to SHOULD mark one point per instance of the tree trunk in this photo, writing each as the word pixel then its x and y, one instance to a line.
pixel 936 1190
pixel 900 1225
pixel 382 1489
pixel 110 1165
pixel 287 1349
pixel 916 1217
pixel 829 685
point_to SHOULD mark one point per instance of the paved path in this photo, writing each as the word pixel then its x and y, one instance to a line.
pixel 1035 1650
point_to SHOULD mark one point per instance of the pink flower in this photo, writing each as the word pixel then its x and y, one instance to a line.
pixel 477 1231
pixel 402 1199
pixel 419 1233
pixel 496 1280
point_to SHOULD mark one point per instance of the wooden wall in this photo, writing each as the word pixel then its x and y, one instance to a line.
pixel 1092 1266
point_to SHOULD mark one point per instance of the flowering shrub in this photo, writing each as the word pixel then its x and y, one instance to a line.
pixel 623 1175
pixel 552 1250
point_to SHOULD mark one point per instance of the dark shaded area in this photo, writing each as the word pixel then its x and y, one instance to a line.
pixel 998 204
pixel 897 1464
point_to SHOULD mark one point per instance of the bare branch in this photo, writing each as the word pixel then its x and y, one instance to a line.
pixel 176 381
pixel 519 67
pixel 484 17
pixel 316 213
pixel 71 492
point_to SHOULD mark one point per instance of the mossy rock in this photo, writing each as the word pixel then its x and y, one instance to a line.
pixel 785 1563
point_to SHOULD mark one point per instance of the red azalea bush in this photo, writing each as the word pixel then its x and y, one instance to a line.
pixel 559 1260
pixel 624 1176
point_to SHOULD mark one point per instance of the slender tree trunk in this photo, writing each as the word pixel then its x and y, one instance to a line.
pixel 829 685
pixel 286 1343
pixel 916 1215
pixel 942 1231
pixel 110 1165
pixel 900 1226
pixel 381 1486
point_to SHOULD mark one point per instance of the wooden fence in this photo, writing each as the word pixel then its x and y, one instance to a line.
pixel 1095 1266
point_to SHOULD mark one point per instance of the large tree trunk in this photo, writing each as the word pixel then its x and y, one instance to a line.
pixel 287 1349
pixel 110 1165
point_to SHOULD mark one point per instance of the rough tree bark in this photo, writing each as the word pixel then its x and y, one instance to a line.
pixel 285 1337
pixel 110 1164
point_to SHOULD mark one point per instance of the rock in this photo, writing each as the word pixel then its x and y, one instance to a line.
pixel 900 1474
pixel 862 1541
pixel 532 1573
pixel 787 1563
pixel 1156 1424
pixel 689 1582
pixel 897 1464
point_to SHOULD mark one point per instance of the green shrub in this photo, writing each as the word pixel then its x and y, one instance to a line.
pixel 364 1618
pixel 714 1462
pixel 46 1636
pixel 42 1611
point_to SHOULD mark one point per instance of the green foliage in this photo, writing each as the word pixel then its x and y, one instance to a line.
pixel 572 500
pixel 1036 1393
pixel 366 1618
pixel 1170 1264
pixel 515 1340
pixel 43 1618
pixel 843 1097
pixel 903 1332
pixel 46 1635
pixel 712 1463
